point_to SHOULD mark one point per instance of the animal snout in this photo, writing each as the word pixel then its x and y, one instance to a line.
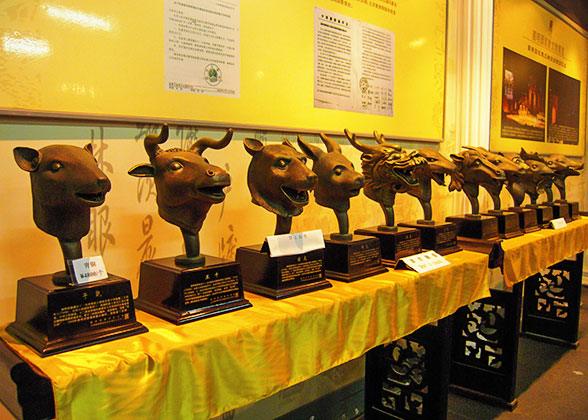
pixel 312 178
pixel 359 181
pixel 104 183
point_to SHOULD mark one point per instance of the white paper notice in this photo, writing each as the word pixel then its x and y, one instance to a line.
pixel 295 243
pixel 202 47
pixel 89 269
pixel 353 65
pixel 423 262
pixel 558 223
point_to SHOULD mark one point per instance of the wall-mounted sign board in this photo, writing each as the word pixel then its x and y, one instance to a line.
pixel 293 65
pixel 539 74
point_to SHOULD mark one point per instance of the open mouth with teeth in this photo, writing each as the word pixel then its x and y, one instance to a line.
pixel 299 197
pixel 93 199
pixel 214 192
pixel 405 174
pixel 438 177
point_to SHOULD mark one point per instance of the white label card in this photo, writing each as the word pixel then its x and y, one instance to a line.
pixel 423 262
pixel 558 223
pixel 86 270
pixel 295 243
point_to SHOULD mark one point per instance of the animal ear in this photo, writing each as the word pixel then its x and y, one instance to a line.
pixel 88 148
pixel 309 150
pixel 457 158
pixel 286 142
pixel 142 170
pixel 253 146
pixel 26 158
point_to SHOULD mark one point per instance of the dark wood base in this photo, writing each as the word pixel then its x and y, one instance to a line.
pixel 492 247
pixel 475 226
pixel 560 210
pixel 180 294
pixel 508 223
pixel 281 277
pixel 544 214
pixel 574 208
pixel 527 219
pixel 394 244
pixel 54 319
pixel 440 237
pixel 353 259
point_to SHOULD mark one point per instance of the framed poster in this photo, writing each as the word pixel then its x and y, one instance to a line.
pixel 539 76
pixel 305 66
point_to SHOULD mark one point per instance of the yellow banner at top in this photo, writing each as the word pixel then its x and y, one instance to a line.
pixel 247 63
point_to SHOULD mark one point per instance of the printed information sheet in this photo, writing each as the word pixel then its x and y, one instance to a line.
pixel 353 65
pixel 202 47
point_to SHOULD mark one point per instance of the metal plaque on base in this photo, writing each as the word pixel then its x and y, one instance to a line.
pixel 440 237
pixel 354 259
pixel 508 223
pixel 544 214
pixel 54 319
pixel 395 244
pixel 185 294
pixel 281 277
pixel 527 219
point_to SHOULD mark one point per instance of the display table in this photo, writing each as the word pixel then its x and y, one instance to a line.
pixel 486 333
pixel 205 368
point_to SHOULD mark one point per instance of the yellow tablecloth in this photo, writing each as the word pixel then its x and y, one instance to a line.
pixel 529 254
pixel 202 369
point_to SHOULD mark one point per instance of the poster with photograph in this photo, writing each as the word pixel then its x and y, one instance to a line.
pixel 523 98
pixel 539 75
pixel 563 109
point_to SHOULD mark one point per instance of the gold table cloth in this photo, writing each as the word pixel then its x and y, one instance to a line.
pixel 205 368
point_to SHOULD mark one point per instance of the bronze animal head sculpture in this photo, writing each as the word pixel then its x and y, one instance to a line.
pixel 476 170
pixel 436 168
pixel 540 179
pixel 337 180
pixel 66 182
pixel 512 171
pixel 515 183
pixel 388 169
pixel 279 180
pixel 563 167
pixel 187 186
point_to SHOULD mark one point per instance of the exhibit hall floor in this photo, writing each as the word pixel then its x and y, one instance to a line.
pixel 552 382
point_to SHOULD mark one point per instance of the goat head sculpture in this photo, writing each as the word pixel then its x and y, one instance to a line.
pixel 563 167
pixel 540 179
pixel 337 180
pixel 476 170
pixel 279 180
pixel 388 169
pixel 66 182
pixel 187 186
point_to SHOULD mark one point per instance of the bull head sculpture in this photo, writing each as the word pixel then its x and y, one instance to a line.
pixel 476 170
pixel 187 186
pixel 279 180
pixel 388 169
pixel 337 181
pixel 563 167
pixel 540 179
pixel 436 168
pixel 512 171
pixel 516 184
pixel 66 182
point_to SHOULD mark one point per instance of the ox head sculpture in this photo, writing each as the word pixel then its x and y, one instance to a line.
pixel 563 167
pixel 388 169
pixel 66 182
pixel 476 170
pixel 187 186
pixel 540 176
pixel 512 171
pixel 515 184
pixel 436 168
pixel 337 180
pixel 279 180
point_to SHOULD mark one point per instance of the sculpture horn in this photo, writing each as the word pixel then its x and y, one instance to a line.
pixel 359 146
pixel 332 145
pixel 379 137
pixel 206 142
pixel 152 141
